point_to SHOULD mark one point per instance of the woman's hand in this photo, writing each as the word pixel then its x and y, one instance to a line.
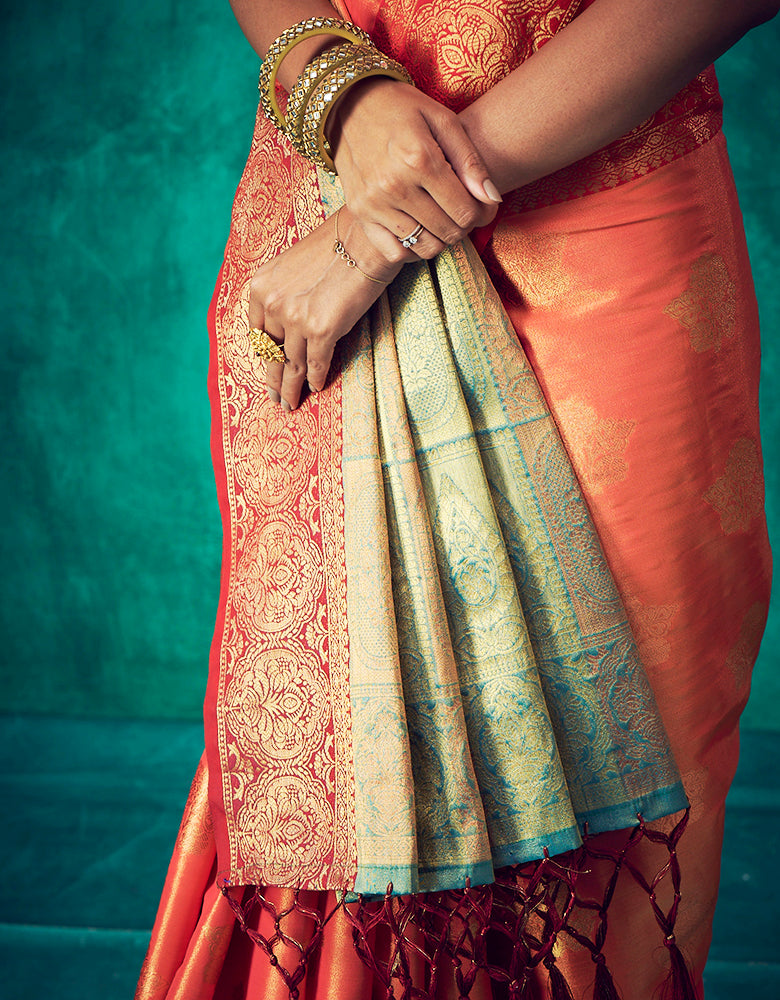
pixel 403 160
pixel 309 297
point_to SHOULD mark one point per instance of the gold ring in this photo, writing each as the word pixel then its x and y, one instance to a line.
pixel 265 346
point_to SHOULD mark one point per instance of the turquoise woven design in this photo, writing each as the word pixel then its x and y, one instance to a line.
pixel 498 700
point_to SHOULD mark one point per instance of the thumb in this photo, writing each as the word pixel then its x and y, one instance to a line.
pixel 464 158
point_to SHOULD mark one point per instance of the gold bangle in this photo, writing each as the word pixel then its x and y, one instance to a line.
pixel 367 63
pixel 307 82
pixel 289 38
pixel 341 250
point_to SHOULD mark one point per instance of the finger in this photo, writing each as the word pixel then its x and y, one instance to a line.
pixel 319 354
pixel 274 370
pixel 419 242
pixel 463 157
pixel 256 311
pixel 392 249
pixel 440 205
pixel 294 371
pixel 414 184
pixel 390 244
pixel 428 246
pixel 257 320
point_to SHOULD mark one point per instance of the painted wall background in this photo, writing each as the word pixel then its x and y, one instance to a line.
pixel 125 127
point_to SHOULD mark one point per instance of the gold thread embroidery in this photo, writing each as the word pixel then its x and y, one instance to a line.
pixel 280 825
pixel 217 941
pixel 196 835
pixel 707 308
pixel 533 265
pixel 279 577
pixel 651 624
pixel 151 984
pixel 695 784
pixel 285 767
pixel 738 495
pixel 599 443
pixel 278 705
pixel 745 650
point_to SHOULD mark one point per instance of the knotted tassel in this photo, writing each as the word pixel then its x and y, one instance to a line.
pixel 559 988
pixel 678 985
pixel 604 987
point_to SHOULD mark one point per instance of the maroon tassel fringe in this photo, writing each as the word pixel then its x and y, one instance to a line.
pixel 559 988
pixel 679 985
pixel 604 987
pixel 509 930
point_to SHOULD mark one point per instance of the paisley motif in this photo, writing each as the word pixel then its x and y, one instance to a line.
pixel 472 548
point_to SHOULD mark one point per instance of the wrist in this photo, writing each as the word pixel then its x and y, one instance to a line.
pixel 344 109
pixel 369 258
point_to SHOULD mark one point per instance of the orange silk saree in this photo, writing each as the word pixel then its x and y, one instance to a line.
pixel 626 281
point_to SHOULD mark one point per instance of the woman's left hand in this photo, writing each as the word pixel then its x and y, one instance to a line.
pixel 404 161
pixel 308 297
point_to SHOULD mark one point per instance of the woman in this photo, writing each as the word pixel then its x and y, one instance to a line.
pixel 610 230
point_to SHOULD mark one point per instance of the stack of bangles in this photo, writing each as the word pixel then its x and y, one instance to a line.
pixel 321 85
pixel 323 82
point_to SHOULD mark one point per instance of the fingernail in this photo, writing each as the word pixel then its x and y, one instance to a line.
pixel 491 191
pixel 286 406
pixel 274 396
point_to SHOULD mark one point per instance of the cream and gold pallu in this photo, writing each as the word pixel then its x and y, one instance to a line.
pixel 422 670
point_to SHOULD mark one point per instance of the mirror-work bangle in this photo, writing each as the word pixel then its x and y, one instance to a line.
pixel 307 83
pixel 367 63
pixel 289 38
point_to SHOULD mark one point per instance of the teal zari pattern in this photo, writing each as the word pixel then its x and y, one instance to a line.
pixel 498 701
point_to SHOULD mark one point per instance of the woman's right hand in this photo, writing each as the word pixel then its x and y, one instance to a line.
pixel 404 159
pixel 308 297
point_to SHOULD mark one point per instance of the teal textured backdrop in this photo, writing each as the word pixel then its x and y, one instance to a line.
pixel 125 130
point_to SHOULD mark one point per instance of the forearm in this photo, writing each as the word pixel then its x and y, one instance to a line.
pixel 264 20
pixel 609 70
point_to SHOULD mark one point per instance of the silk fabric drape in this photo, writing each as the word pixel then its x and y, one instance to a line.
pixel 635 306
